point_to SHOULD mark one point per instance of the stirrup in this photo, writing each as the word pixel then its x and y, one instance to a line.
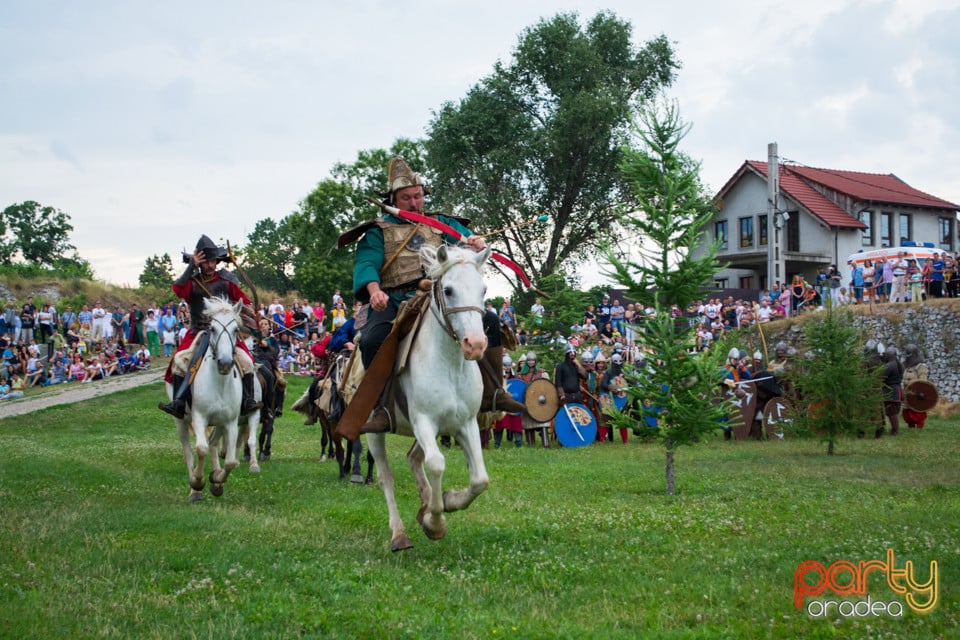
pixel 176 409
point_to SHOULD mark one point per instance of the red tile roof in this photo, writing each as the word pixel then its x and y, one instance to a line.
pixel 862 187
pixel 870 187
pixel 819 205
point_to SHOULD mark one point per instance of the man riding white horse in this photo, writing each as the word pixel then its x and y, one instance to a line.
pixel 387 272
pixel 202 280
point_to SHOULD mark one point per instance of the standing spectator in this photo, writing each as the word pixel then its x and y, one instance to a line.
pixel 508 315
pixel 45 325
pixel 603 311
pixel 10 316
pixel 67 319
pixel 537 311
pixel 135 336
pixel 337 299
pixel 856 281
pixel 28 317
pixel 950 275
pixel 936 276
pixel 834 282
pixel 617 313
pixel 887 285
pixel 915 280
pixel 797 293
pixel 590 315
pixel 152 327
pixel 898 290
pixel 869 275
pixel 100 322
pixel 116 322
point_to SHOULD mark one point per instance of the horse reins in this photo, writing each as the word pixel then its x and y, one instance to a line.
pixel 446 312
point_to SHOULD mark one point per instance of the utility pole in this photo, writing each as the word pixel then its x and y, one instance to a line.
pixel 775 262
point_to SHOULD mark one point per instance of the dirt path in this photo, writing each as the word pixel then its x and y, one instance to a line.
pixel 76 392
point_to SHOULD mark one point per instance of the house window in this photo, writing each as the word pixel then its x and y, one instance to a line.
pixel 746 282
pixel 762 229
pixel 746 232
pixel 866 238
pixel 906 227
pixel 720 229
pixel 886 222
pixel 793 231
pixel 946 234
pixel 720 283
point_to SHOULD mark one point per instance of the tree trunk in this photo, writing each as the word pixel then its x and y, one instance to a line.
pixel 670 487
pixel 830 447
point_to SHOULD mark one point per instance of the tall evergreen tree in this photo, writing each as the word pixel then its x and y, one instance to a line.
pixel 680 384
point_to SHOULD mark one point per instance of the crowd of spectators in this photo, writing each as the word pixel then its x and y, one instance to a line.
pixel 42 346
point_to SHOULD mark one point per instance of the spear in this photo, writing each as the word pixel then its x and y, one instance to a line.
pixel 542 218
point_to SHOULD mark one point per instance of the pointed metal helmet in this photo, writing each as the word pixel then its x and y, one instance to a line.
pixel 209 247
pixel 400 176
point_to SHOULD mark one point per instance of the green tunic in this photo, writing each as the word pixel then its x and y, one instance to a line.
pixel 369 257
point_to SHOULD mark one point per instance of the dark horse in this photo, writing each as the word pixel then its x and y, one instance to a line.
pixel 323 402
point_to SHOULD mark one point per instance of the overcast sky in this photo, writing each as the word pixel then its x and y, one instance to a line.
pixel 150 123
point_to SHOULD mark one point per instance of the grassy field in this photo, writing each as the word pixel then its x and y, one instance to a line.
pixel 99 541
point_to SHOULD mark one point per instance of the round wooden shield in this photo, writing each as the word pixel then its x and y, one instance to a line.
pixel 921 395
pixel 575 425
pixel 541 400
pixel 777 414
pixel 745 403
pixel 517 389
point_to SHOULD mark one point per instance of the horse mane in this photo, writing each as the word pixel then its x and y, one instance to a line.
pixel 217 305
pixel 455 255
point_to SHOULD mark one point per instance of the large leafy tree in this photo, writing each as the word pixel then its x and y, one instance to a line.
pixel 545 134
pixel 37 234
pixel 157 272
pixel 664 270
pixel 268 255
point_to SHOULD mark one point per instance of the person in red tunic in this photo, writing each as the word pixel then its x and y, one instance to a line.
pixel 202 280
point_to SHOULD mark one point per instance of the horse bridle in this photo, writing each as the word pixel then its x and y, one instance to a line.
pixel 445 311
pixel 224 332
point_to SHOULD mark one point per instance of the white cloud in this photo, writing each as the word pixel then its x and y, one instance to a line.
pixel 151 124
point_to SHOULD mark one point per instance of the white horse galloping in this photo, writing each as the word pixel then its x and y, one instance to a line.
pixel 216 394
pixel 442 389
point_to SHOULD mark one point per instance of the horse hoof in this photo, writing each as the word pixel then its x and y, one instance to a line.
pixel 430 533
pixel 246 458
pixel 198 485
pixel 196 496
pixel 400 543
pixel 323 458
pixel 356 478
pixel 254 468
pixel 216 489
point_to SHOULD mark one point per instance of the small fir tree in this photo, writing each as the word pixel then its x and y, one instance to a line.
pixel 838 378
pixel 679 384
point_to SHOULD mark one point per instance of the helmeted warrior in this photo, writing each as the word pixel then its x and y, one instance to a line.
pixel 892 374
pixel 387 272
pixel 913 369
pixel 199 281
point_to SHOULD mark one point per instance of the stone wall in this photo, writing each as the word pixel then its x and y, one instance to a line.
pixel 933 326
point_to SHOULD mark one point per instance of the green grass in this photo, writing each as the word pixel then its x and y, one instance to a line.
pixel 98 539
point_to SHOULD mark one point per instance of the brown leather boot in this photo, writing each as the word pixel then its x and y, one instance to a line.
pixel 380 422
pixel 313 412
pixel 495 397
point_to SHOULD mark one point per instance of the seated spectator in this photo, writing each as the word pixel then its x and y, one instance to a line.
pixel 143 360
pixel 77 371
pixel 94 370
pixel 10 388
pixel 36 372
pixel 58 373
pixel 108 364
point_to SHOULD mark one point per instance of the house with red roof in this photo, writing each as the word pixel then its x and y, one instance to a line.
pixel 823 216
